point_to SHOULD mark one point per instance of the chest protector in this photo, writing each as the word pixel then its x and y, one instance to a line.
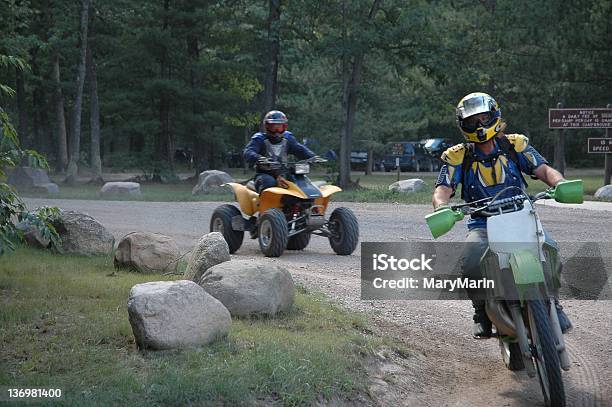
pixel 277 152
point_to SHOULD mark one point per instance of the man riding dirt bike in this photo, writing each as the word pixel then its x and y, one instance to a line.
pixel 274 144
pixel 488 163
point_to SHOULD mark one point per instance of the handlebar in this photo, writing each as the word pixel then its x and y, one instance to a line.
pixel 272 165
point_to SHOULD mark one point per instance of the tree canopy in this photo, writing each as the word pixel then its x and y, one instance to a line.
pixel 198 75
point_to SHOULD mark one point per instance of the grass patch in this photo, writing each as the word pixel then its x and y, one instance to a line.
pixel 65 325
pixel 374 189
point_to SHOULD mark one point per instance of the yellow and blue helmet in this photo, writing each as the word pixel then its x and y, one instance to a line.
pixel 479 117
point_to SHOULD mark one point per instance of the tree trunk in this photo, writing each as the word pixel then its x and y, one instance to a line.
pixel 198 140
pixel 272 56
pixel 75 131
pixel 60 118
pixel 94 112
pixel 370 162
pixel 351 73
pixel 162 141
pixel 22 128
pixel 38 106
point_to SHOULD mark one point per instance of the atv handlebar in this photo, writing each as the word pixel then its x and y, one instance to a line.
pixel 268 164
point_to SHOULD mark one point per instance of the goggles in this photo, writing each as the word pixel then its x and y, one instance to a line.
pixel 276 127
pixel 472 123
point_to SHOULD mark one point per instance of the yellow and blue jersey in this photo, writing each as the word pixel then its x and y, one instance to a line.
pixel 488 173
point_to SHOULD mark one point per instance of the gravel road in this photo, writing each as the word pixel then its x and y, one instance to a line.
pixel 450 367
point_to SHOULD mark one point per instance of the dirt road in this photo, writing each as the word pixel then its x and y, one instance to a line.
pixel 448 367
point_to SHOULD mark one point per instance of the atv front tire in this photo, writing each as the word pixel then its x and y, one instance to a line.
pixel 272 233
pixel 221 221
pixel 344 231
pixel 299 241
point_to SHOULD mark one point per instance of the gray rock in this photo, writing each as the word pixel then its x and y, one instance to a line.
pixel 82 234
pixel 28 177
pixel 47 188
pixel 32 236
pixel 110 189
pixel 249 287
pixel 408 185
pixel 211 181
pixel 210 250
pixel 174 314
pixel 147 253
pixel 604 192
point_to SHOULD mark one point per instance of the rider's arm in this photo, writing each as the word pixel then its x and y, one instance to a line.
pixel 299 150
pixel 441 196
pixel 252 152
pixel 548 174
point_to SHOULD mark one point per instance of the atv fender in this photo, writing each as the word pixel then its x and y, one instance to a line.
pixel 271 197
pixel 247 199
pixel 326 193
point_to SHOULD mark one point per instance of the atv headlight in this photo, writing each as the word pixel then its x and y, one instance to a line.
pixel 302 168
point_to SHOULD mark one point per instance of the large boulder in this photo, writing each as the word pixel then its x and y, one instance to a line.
pixel 82 234
pixel 46 188
pixel 174 314
pixel 210 182
pixel 210 250
pixel 250 288
pixel 111 189
pixel 408 185
pixel 147 252
pixel 28 178
pixel 604 193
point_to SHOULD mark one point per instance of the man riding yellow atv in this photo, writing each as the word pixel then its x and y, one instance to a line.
pixel 281 207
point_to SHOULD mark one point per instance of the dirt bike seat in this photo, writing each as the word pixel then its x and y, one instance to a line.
pixel 251 185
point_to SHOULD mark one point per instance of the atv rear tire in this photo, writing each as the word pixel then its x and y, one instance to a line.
pixel 221 221
pixel 344 231
pixel 299 241
pixel 272 233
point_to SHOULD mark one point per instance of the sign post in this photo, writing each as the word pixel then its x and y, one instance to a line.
pixel 607 158
pixel 560 147
pixel 583 118
pixel 398 150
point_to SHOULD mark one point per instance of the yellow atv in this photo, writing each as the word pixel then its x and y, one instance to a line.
pixel 285 216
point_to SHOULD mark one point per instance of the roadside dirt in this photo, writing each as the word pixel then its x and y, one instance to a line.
pixel 445 366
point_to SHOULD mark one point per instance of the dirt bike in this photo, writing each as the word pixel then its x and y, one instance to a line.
pixel 285 216
pixel 525 270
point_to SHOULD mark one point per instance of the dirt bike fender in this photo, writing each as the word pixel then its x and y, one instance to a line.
pixel 527 270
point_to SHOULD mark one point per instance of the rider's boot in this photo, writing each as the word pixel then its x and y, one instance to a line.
pixel 482 323
pixel 564 322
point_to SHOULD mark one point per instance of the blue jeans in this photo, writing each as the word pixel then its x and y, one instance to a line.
pixel 264 181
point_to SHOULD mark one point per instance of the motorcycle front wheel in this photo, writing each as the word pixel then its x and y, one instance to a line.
pixel 544 349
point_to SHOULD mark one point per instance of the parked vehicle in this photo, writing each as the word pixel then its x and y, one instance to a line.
pixel 434 147
pixel 359 160
pixel 414 157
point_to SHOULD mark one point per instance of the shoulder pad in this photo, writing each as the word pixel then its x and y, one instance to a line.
pixel 258 135
pixel 519 141
pixel 454 155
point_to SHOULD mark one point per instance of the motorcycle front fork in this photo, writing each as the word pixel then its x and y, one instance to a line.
pixel 523 339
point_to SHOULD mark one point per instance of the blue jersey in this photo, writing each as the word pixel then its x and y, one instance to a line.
pixel 257 148
pixel 486 178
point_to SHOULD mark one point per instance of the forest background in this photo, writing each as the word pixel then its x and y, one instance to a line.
pixel 125 83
